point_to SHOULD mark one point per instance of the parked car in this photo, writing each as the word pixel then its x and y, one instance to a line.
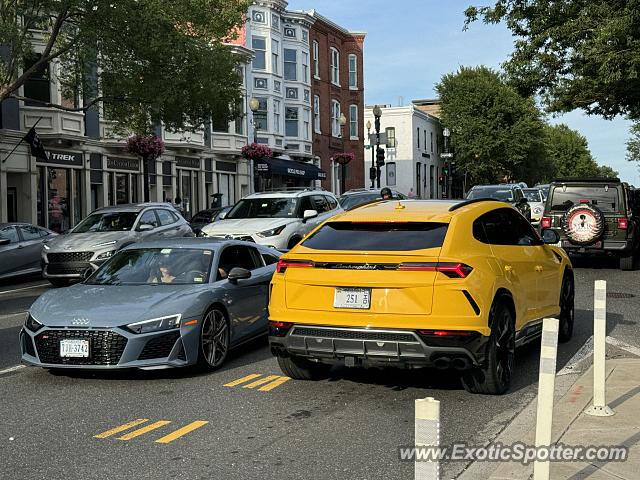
pixel 426 283
pixel 21 247
pixel 205 217
pixel 78 253
pixel 508 192
pixel 536 203
pixel 595 217
pixel 174 302
pixel 544 189
pixel 355 198
pixel 275 219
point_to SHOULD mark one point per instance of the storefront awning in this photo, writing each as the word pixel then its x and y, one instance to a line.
pixel 289 168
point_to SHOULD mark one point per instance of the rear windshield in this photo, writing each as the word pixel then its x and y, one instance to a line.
pixel 497 193
pixel 382 236
pixel 349 202
pixel 564 198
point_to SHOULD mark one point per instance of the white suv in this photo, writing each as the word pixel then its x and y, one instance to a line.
pixel 275 219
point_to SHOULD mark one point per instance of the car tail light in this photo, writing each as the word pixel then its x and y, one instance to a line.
pixel 545 222
pixel 623 223
pixel 447 333
pixel 284 264
pixel 451 270
pixel 279 329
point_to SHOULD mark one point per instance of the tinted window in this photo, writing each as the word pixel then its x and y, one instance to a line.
pixel 320 203
pixel 165 217
pixel 44 233
pixel 349 202
pixel 148 218
pixel 563 198
pixel 304 204
pixel 106 222
pixel 29 232
pixel 385 236
pixel 504 227
pixel 333 204
pixel 237 256
pixel 10 233
pixel 269 259
pixel 205 216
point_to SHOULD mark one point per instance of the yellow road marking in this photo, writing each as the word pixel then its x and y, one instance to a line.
pixel 274 384
pixel 121 428
pixel 242 380
pixel 181 431
pixel 262 381
pixel 143 430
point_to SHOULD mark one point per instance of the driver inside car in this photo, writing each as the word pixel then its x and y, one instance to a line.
pixel 164 274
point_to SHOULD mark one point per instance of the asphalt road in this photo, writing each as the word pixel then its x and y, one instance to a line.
pixel 349 426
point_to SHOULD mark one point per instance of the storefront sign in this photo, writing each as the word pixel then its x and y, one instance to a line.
pixel 226 166
pixel 188 162
pixel 119 163
pixel 64 158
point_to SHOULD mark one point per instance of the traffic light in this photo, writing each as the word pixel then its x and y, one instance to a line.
pixel 441 180
pixel 445 170
pixel 380 157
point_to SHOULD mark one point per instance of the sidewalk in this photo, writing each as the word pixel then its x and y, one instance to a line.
pixel 572 427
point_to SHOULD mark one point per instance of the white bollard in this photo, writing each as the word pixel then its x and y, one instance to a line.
pixel 599 407
pixel 427 434
pixel 546 387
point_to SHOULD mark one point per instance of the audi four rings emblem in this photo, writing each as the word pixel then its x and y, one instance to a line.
pixel 80 321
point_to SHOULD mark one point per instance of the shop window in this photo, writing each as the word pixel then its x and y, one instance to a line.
pixel 59 197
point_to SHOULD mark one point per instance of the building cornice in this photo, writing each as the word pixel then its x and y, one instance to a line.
pixel 300 18
pixel 278 5
pixel 313 13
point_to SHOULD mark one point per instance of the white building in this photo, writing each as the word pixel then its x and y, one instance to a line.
pixel 415 142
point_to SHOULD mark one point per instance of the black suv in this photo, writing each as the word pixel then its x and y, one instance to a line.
pixel 595 216
pixel 507 192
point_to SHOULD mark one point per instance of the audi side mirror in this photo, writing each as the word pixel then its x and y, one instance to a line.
pixel 238 273
pixel 550 237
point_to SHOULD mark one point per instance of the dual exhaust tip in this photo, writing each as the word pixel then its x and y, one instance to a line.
pixel 457 363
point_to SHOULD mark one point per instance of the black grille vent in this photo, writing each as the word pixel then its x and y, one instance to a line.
pixel 353 334
pixel 61 269
pixel 159 347
pixel 63 257
pixel 182 355
pixel 105 347
pixel 27 345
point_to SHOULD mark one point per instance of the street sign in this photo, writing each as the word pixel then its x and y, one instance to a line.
pixel 373 138
pixel 446 155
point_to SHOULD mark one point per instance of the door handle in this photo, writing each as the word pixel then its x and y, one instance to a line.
pixel 508 268
pixel 539 268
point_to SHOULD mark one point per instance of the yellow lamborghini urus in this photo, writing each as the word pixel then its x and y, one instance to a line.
pixel 419 283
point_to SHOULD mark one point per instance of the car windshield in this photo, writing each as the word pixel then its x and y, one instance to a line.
pixel 155 266
pixel 374 236
pixel 565 196
pixel 497 193
pixel 533 195
pixel 107 222
pixel 264 208
pixel 349 202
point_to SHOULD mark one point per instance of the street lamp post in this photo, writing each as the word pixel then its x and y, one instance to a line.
pixel 446 133
pixel 254 105
pixel 377 113
pixel 343 166
pixel 372 170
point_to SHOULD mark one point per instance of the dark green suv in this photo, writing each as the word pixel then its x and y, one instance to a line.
pixel 595 216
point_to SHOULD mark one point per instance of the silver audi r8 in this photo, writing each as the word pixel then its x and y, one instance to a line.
pixel 168 303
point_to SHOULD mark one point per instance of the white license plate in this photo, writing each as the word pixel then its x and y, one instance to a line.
pixel 359 298
pixel 74 348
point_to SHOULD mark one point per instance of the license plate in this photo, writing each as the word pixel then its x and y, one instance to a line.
pixel 74 348
pixel 567 243
pixel 358 298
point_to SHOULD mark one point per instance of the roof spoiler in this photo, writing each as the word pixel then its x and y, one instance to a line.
pixel 464 203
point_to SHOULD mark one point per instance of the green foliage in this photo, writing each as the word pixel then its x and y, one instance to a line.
pixel 574 53
pixel 633 144
pixel 159 61
pixel 496 133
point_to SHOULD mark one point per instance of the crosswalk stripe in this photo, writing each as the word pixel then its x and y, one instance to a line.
pixel 121 428
pixel 276 383
pixel 242 380
pixel 262 381
pixel 182 431
pixel 143 430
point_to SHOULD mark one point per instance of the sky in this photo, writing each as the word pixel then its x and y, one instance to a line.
pixel 410 44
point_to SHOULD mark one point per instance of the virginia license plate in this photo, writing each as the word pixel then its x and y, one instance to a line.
pixel 358 298
pixel 74 348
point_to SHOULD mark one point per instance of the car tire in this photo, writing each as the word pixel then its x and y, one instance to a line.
pixel 628 262
pixel 293 242
pixel 494 378
pixel 302 369
pixel 214 341
pixel 59 282
pixel 567 314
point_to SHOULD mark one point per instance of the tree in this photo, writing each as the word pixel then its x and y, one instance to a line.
pixel 496 133
pixel 158 61
pixel 574 53
pixel 569 154
pixel 633 144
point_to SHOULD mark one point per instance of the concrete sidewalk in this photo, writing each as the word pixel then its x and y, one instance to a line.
pixel 572 427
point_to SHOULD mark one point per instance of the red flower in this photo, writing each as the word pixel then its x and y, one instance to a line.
pixel 149 146
pixel 343 158
pixel 256 151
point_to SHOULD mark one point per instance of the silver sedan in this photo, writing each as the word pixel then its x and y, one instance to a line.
pixel 20 248
pixel 168 303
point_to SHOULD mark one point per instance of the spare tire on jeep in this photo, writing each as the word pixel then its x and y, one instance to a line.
pixel 583 224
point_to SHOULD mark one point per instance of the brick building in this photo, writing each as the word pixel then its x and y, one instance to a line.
pixel 338 88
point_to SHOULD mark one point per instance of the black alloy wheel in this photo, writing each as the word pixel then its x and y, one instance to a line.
pixel 567 313
pixel 214 339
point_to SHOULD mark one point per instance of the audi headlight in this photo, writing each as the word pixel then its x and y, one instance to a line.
pixel 156 324
pixel 32 324
pixel 271 233
pixel 105 255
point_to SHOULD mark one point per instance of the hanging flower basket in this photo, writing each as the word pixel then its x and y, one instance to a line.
pixel 343 158
pixel 256 151
pixel 149 146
